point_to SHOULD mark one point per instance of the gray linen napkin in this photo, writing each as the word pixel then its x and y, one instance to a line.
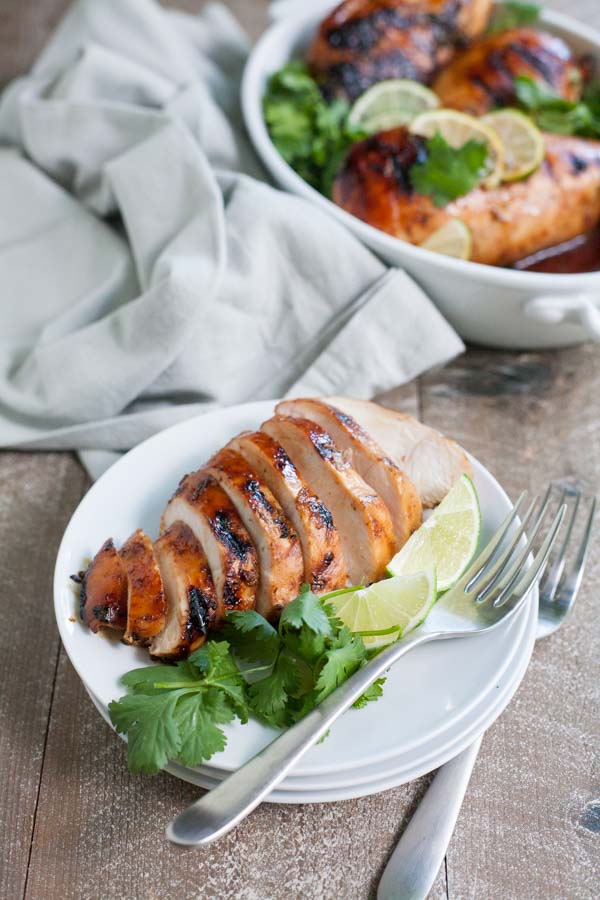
pixel 148 272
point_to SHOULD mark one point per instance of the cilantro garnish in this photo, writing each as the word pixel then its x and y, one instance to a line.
pixel 449 172
pixel 553 113
pixel 311 134
pixel 176 712
pixel 512 15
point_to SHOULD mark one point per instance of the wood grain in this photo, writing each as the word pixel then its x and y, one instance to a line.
pixel 75 824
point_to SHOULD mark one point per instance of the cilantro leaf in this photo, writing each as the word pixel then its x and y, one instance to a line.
pixel 373 692
pixel 553 113
pixel 312 135
pixel 269 696
pixel 342 660
pixel 305 610
pixel 512 15
pixel 251 636
pixel 449 172
pixel 152 733
pixel 198 716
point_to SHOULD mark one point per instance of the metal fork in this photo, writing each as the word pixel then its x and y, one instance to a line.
pixel 414 864
pixel 491 590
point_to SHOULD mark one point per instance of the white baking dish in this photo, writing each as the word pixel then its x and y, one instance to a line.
pixel 487 305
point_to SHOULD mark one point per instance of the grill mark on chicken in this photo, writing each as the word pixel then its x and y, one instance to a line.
pixel 232 540
pixel 200 607
pixel 365 41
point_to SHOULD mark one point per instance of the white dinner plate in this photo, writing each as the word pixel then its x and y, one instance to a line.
pixel 432 696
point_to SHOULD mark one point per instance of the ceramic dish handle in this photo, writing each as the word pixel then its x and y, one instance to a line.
pixel 576 309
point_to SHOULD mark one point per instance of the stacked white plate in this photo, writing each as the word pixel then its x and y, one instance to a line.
pixel 436 701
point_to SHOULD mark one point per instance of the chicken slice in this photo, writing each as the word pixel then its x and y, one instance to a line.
pixel 379 471
pixel 146 605
pixel 201 504
pixel 359 514
pixel 277 545
pixel 103 595
pixel 432 462
pixel 192 606
pixel 324 565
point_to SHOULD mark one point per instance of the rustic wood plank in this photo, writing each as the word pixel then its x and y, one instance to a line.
pixel 528 825
pixel 37 494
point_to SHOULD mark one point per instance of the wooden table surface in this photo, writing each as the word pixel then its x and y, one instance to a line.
pixel 75 824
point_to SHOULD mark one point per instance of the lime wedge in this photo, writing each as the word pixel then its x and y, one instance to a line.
pixel 452 239
pixel 447 540
pixel 458 128
pixel 391 607
pixel 523 143
pixel 390 103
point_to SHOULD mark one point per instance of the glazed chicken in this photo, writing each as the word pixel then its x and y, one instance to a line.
pixel 321 493
pixel 365 41
pixel 558 202
pixel 483 76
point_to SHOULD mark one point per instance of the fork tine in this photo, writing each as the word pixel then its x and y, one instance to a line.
pixel 525 582
pixel 490 548
pixel 495 571
pixel 570 586
pixel 553 575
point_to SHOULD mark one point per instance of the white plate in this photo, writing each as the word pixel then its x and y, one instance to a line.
pixel 430 694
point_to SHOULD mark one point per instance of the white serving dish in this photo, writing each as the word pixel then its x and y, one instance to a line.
pixel 486 304
pixel 436 701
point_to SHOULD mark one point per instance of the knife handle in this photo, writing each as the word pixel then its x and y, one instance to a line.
pixel 419 854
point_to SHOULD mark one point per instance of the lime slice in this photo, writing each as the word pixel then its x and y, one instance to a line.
pixel 524 147
pixel 392 607
pixel 458 128
pixel 447 540
pixel 391 103
pixel 452 239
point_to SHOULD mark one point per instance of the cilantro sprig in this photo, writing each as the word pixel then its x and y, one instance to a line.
pixel 449 172
pixel 512 15
pixel 553 113
pixel 311 134
pixel 307 657
pixel 175 712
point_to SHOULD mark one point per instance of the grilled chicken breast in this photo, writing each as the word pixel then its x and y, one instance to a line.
pixel 360 515
pixel 146 606
pixel 201 504
pixel 482 77
pixel 379 471
pixel 277 545
pixel 192 605
pixel 432 462
pixel 558 202
pixel 324 565
pixel 364 41
pixel 103 594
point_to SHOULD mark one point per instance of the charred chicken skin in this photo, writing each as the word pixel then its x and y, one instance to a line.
pixel 558 202
pixel 483 76
pixel 365 41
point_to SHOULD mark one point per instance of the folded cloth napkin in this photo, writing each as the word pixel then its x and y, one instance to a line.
pixel 148 271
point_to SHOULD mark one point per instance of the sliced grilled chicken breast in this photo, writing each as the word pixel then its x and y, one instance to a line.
pixel 277 545
pixel 146 605
pixel 192 606
pixel 103 595
pixel 432 462
pixel 379 471
pixel 360 515
pixel 201 504
pixel 324 565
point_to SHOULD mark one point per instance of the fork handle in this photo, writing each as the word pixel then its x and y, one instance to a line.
pixel 419 854
pixel 220 810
